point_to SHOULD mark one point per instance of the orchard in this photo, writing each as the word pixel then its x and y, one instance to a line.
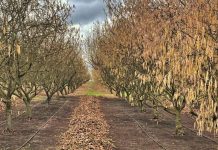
pixel 109 74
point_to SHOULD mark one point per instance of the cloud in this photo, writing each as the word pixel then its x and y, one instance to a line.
pixel 87 11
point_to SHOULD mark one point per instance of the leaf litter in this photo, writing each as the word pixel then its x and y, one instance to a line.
pixel 88 129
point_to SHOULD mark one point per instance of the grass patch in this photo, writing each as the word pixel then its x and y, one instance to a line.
pixel 91 90
pixel 94 93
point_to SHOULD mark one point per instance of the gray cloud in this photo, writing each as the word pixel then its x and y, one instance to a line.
pixel 87 11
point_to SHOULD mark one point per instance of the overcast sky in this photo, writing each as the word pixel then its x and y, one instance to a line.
pixel 86 13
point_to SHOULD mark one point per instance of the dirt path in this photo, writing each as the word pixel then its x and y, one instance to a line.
pixel 88 129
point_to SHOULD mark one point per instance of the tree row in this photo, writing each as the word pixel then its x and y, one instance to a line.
pixel 161 54
pixel 40 52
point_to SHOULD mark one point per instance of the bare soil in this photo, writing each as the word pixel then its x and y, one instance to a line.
pixel 129 128
pixel 128 135
pixel 18 107
pixel 48 136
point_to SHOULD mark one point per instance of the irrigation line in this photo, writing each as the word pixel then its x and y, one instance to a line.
pixel 40 128
pixel 147 134
pixel 205 136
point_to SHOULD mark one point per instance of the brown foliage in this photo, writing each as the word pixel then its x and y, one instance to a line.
pixel 162 52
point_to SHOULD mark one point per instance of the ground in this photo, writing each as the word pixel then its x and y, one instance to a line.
pixel 103 119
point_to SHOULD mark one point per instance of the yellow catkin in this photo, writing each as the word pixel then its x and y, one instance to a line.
pixel 9 50
pixel 4 30
pixel 215 85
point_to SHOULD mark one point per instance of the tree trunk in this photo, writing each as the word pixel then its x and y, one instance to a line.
pixel 118 93
pixel 28 110
pixel 8 115
pixel 155 110
pixel 62 92
pixel 48 97
pixel 66 91
pixel 128 96
pixel 48 100
pixel 179 128
pixel 58 95
pixel 111 91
